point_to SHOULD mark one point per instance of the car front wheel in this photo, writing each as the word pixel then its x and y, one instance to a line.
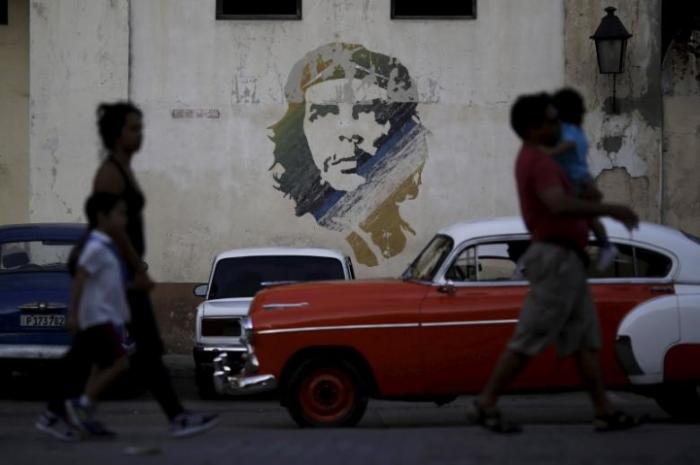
pixel 325 393
pixel 681 400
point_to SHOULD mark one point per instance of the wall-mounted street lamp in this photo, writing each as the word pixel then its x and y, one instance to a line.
pixel 610 46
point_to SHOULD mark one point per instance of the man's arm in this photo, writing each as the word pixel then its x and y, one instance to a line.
pixel 559 149
pixel 560 203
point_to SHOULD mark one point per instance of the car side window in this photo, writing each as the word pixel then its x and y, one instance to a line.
pixel 463 268
pixel 630 262
pixel 497 261
pixel 651 264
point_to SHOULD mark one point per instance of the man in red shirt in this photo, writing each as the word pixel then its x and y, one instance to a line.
pixel 559 307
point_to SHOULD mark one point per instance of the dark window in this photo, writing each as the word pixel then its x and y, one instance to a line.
pixel 433 9
pixel 3 12
pixel 244 276
pixel 651 264
pixel 678 21
pixel 259 9
pixel 630 262
pixel 498 261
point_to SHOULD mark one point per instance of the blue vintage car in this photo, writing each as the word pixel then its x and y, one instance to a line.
pixel 34 292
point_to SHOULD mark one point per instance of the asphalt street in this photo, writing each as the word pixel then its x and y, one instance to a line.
pixel 258 431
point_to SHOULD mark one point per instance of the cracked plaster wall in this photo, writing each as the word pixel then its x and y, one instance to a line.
pixel 681 85
pixel 206 175
pixel 625 148
pixel 78 58
pixel 14 114
pixel 211 89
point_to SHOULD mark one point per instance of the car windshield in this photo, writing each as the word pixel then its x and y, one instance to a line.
pixel 244 276
pixel 34 256
pixel 427 263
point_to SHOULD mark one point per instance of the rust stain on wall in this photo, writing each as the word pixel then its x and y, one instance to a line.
pixel 186 113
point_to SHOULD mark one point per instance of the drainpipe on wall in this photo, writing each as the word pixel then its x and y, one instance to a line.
pixel 661 167
pixel 662 218
pixel 129 58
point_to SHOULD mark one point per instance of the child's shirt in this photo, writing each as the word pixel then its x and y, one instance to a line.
pixel 104 295
pixel 574 162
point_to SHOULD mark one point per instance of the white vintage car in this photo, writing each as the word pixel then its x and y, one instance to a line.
pixel 235 278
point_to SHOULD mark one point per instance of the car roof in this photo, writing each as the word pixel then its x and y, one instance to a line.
pixel 281 251
pixel 655 235
pixel 651 233
pixel 41 231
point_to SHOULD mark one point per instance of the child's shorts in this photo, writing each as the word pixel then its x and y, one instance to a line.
pixel 102 343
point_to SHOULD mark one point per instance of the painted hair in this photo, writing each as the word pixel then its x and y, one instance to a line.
pixel 111 118
pixel 301 179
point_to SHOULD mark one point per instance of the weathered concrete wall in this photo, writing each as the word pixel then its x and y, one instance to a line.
pixel 215 92
pixel 681 156
pixel 626 147
pixel 174 306
pixel 78 57
pixel 211 90
pixel 14 114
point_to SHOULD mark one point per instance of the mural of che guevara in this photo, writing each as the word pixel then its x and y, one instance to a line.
pixel 350 147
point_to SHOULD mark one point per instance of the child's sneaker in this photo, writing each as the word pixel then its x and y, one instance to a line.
pixel 606 256
pixel 57 427
pixel 187 424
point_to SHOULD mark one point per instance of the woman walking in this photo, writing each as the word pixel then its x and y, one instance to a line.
pixel 121 130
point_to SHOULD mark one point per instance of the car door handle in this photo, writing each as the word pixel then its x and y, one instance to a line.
pixel 662 289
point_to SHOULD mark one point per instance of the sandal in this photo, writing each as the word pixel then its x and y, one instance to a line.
pixel 492 420
pixel 616 421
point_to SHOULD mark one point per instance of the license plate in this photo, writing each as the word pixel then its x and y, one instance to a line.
pixel 42 321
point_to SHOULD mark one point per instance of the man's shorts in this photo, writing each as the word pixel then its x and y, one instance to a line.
pixel 102 344
pixel 559 307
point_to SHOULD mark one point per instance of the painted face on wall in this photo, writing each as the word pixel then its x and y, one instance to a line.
pixel 350 147
pixel 342 129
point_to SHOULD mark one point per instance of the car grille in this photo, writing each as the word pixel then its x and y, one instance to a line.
pixel 221 327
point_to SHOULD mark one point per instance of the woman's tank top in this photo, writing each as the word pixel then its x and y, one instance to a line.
pixel 135 201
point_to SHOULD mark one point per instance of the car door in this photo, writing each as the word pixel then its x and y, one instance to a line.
pixel 468 317
pixel 639 272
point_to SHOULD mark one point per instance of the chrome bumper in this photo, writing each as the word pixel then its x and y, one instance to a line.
pixel 246 381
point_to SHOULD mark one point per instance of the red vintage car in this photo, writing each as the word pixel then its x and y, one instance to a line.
pixel 436 332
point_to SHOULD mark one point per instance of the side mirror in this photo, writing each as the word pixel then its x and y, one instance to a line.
pixel 145 265
pixel 201 290
pixel 448 288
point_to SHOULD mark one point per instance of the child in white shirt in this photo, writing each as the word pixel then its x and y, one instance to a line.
pixel 97 315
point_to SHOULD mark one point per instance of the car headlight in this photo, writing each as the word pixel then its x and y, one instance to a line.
pixel 247 330
pixel 230 327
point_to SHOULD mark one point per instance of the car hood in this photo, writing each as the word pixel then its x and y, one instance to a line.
pixel 226 307
pixel 329 303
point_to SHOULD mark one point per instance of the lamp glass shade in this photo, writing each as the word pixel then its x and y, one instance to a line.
pixel 611 55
